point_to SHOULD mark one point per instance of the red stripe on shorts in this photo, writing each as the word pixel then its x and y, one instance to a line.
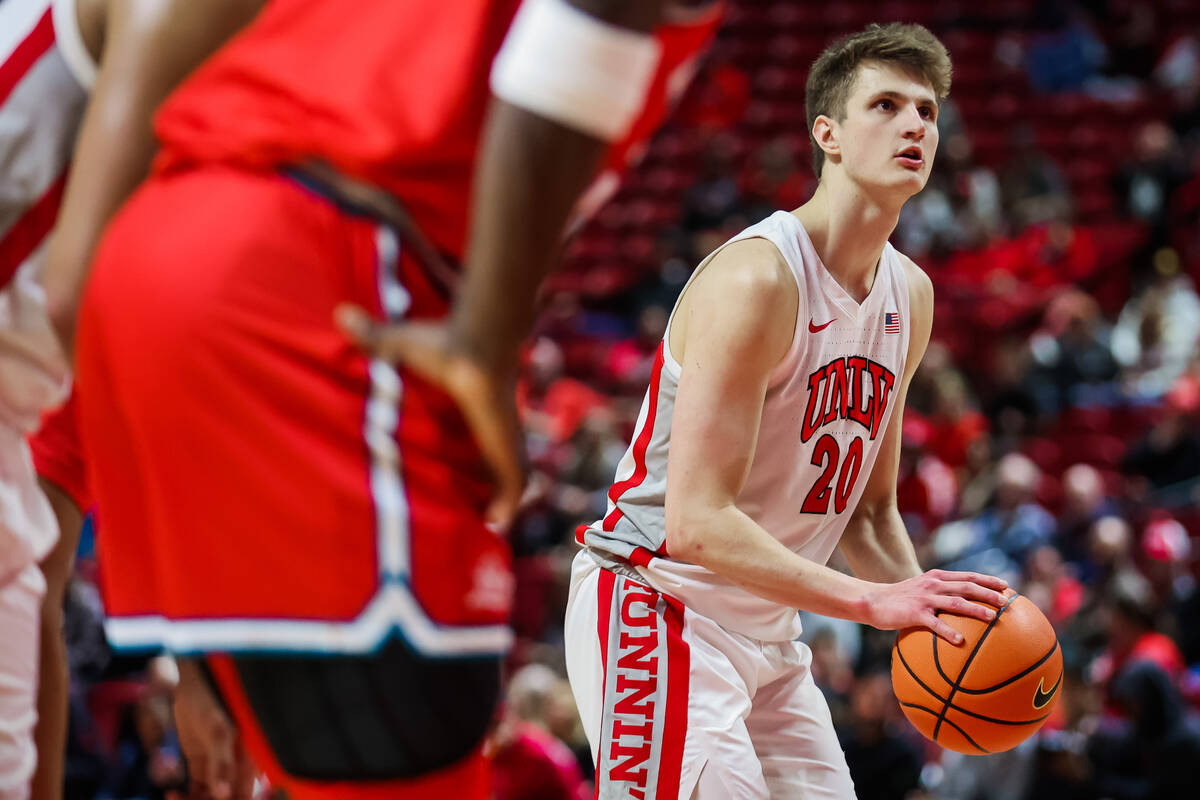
pixel 675 727
pixel 25 55
pixel 605 588
pixel 30 229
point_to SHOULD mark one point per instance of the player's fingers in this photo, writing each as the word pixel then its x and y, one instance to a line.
pixel 420 347
pixel 197 766
pixel 493 423
pixel 222 765
pixel 973 591
pixel 964 608
pixel 990 581
pixel 940 628
pixel 246 773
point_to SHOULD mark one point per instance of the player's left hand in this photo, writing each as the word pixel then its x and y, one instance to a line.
pixel 487 400
pixel 218 766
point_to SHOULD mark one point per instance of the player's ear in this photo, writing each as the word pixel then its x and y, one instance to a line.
pixel 825 132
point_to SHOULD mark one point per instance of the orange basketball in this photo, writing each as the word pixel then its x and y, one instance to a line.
pixel 989 693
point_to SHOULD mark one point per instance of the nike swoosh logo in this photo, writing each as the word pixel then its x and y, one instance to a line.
pixel 1042 699
pixel 818 328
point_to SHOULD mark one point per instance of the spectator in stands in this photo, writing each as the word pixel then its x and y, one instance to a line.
pixel 883 764
pixel 1156 333
pixel 1067 57
pixel 1050 584
pixel 831 670
pixel 1011 408
pixel 1085 500
pixel 1062 770
pixel 1169 453
pixel 1016 523
pixel 1073 354
pixel 956 423
pixel 1148 181
pixel 776 179
pixel 1032 186
pixel 1178 72
pixel 1131 622
pixel 630 361
pixel 1154 753
pixel 716 195
pixel 528 761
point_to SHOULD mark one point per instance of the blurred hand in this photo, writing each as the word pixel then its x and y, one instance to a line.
pixel 218 766
pixel 487 400
pixel 914 603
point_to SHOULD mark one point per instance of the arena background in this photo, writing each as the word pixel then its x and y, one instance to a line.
pixel 1051 433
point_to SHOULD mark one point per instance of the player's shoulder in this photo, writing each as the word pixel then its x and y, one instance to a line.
pixel 751 266
pixel 920 287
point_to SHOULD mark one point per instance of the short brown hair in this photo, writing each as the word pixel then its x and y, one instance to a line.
pixel 910 47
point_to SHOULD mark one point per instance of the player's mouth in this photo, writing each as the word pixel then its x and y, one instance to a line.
pixel 911 157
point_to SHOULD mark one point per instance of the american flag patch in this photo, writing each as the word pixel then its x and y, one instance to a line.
pixel 891 322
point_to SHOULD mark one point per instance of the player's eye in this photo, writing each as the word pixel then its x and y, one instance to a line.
pixel 927 112
pixel 885 104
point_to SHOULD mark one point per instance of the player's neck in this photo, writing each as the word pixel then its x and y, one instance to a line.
pixel 848 230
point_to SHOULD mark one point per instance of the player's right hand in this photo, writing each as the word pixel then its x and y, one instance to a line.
pixel 915 602
pixel 487 401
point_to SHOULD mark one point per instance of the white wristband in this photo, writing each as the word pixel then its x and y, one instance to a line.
pixel 566 65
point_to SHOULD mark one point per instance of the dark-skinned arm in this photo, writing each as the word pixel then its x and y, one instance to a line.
pixel 149 47
pixel 531 171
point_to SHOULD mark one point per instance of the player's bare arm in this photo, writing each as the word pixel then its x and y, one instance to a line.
pixel 149 47
pixel 875 541
pixel 532 170
pixel 738 318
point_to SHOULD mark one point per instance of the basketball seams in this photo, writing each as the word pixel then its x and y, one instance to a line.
pixel 959 709
pixel 931 712
pixel 915 677
pixel 1049 654
pixel 966 665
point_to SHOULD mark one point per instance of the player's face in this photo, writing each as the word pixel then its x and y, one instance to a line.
pixel 889 136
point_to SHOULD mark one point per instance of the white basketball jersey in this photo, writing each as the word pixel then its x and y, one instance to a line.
pixel 44 74
pixel 826 410
pixel 44 71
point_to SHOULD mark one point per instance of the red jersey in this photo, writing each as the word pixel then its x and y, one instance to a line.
pixel 390 93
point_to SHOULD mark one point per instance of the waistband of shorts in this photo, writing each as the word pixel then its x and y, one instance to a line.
pixel 362 199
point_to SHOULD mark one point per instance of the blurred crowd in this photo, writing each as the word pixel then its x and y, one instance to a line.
pixel 1050 437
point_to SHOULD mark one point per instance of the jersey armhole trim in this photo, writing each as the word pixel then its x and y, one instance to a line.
pixel 70 43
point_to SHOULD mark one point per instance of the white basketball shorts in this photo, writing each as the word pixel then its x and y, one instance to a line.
pixel 676 706
pixel 20 627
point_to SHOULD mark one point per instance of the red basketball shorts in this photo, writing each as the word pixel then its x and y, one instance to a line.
pixel 58 454
pixel 262 484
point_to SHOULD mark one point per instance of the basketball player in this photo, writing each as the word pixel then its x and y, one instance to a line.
pixel 769 436
pixel 48 54
pixel 310 518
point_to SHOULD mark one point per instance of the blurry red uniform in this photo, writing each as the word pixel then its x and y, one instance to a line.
pixel 246 459
pixel 264 486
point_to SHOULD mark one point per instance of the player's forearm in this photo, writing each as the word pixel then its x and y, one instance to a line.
pixel 726 541
pixel 539 167
pixel 150 46
pixel 877 546
pixel 103 177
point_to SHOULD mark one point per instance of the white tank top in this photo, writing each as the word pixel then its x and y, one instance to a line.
pixel 826 410
pixel 45 73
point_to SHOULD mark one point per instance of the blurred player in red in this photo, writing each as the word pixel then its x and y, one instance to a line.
pixel 48 53
pixel 310 517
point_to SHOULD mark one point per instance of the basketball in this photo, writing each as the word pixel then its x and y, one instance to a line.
pixel 989 693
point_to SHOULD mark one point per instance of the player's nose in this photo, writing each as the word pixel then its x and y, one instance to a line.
pixel 914 123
